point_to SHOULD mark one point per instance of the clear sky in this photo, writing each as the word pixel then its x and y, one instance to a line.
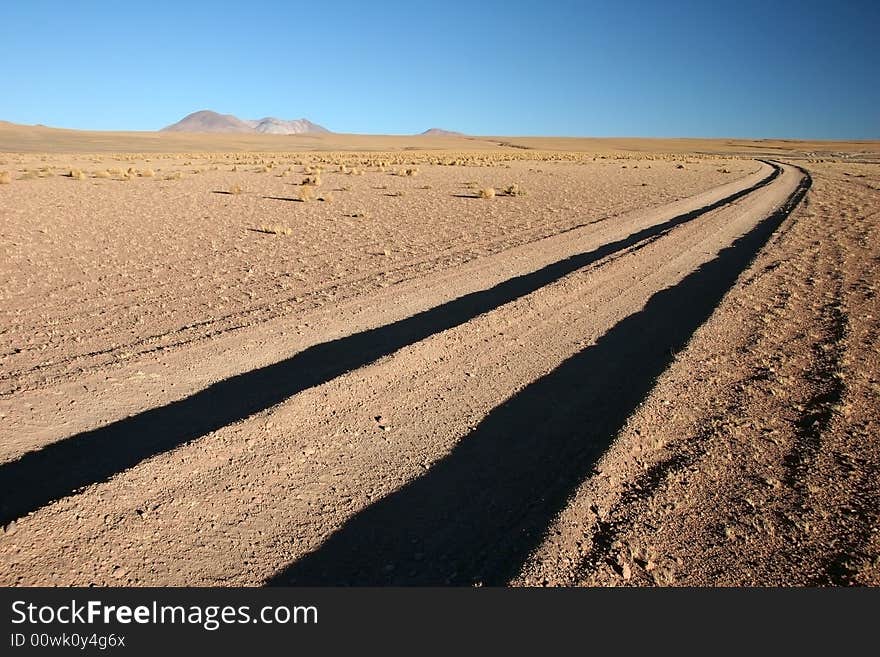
pixel 739 68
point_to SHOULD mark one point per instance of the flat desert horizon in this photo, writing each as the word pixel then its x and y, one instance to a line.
pixel 331 359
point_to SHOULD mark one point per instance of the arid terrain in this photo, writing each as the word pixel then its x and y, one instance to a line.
pixel 329 359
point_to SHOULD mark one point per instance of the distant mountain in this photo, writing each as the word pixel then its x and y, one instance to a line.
pixel 208 121
pixel 273 126
pixel 439 132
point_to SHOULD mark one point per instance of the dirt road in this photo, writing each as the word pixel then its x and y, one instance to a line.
pixel 434 431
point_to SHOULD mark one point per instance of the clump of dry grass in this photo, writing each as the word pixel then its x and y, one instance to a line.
pixel 76 174
pixel 306 193
pixel 326 197
pixel 101 174
pixel 487 192
pixel 275 229
pixel 313 180
pixel 147 173
pixel 5 178
pixel 177 175
pixel 514 190
pixel 235 189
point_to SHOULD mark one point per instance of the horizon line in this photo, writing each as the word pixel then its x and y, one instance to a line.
pixel 460 134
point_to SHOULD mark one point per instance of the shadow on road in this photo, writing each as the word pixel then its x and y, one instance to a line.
pixel 476 515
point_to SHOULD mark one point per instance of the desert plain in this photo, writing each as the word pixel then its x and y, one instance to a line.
pixel 350 360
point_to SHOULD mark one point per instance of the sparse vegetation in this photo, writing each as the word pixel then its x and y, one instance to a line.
pixel 487 192
pixel 235 189
pixel 275 229
pixel 514 190
pixel 306 193
pixel 5 178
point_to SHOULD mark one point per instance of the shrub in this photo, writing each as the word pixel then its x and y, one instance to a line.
pixel 276 230
pixel 487 192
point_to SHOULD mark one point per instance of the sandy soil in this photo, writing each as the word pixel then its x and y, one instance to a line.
pixel 765 471
pixel 432 387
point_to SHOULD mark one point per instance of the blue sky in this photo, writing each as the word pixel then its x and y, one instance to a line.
pixel 749 68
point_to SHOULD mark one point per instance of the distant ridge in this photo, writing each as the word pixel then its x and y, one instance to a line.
pixel 208 121
pixel 439 132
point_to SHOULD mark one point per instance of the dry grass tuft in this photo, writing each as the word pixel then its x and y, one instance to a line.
pixel 514 190
pixel 147 173
pixel 313 180
pixel 76 174
pixel 235 189
pixel 306 193
pixel 5 178
pixel 276 229
pixel 326 198
pixel 102 174
pixel 487 192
